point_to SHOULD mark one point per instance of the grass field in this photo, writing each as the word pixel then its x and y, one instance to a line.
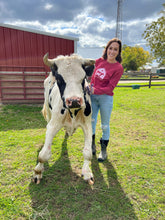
pixel 129 185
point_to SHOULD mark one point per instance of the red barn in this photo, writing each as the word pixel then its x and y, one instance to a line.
pixel 22 71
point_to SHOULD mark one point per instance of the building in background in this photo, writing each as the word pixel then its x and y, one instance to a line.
pixel 22 70
pixel 90 52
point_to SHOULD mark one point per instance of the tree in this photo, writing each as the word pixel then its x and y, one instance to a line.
pixel 155 36
pixel 134 57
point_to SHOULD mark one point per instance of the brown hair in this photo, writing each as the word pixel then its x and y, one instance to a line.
pixel 118 58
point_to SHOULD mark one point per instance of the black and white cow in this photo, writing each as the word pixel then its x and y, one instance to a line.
pixel 67 104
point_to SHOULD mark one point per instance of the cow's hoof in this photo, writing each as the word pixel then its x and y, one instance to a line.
pixel 91 181
pixel 36 180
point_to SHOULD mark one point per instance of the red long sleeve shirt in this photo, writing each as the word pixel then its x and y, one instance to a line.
pixel 106 76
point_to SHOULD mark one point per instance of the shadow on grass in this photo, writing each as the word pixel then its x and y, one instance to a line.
pixel 62 194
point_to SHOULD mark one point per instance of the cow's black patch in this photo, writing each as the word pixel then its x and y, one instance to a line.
pixel 50 97
pixel 50 106
pixel 62 111
pixel 88 69
pixel 76 111
pixel 87 110
pixel 83 84
pixel 64 105
pixel 60 81
pixel 71 115
pixel 50 90
pixel 54 69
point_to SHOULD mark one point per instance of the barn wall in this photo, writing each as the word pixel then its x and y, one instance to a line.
pixel 23 48
pixel 22 71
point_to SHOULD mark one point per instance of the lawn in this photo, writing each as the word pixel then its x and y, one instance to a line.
pixel 129 185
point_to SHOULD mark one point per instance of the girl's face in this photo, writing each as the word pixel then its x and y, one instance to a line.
pixel 112 52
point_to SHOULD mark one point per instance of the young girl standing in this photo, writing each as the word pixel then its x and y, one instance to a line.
pixel 108 71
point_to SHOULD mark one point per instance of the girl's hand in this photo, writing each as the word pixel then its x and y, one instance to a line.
pixel 90 89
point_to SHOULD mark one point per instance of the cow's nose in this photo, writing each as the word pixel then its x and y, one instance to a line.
pixel 74 102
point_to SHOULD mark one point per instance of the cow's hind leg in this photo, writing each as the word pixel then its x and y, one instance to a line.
pixel 45 153
pixel 87 153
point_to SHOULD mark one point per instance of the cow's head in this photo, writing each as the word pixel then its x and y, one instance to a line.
pixel 70 73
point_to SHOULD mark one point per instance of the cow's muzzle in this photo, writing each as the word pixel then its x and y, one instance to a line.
pixel 74 102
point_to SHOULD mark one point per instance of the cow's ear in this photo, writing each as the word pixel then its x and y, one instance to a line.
pixel 88 69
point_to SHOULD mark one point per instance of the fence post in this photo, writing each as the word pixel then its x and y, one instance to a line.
pixel 24 83
pixel 150 80
pixel 0 91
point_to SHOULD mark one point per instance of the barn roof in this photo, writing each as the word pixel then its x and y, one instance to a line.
pixel 38 32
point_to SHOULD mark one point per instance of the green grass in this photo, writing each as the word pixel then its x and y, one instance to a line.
pixel 129 185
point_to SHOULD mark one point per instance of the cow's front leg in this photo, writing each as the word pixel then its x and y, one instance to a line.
pixel 87 153
pixel 45 153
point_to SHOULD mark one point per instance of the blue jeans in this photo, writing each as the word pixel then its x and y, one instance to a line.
pixel 104 103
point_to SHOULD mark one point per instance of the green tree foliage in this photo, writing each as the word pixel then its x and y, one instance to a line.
pixel 134 57
pixel 155 36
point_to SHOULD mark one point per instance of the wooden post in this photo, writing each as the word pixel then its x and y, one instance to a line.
pixel 150 80
pixel 0 90
pixel 24 83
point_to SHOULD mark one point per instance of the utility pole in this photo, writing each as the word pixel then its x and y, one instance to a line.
pixel 119 20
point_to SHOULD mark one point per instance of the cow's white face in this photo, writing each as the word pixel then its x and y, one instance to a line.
pixel 70 73
pixel 70 78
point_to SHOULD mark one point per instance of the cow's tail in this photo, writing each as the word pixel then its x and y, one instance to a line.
pixel 44 112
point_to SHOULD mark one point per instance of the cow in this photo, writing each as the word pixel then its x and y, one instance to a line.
pixel 67 104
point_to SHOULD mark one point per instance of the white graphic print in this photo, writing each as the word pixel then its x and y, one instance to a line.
pixel 101 73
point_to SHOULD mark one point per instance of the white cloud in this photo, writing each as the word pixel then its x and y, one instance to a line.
pixel 27 24
pixel 48 6
pixel 93 22
pixel 92 30
pixel 88 40
pixel 139 21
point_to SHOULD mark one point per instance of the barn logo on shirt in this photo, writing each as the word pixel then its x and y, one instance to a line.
pixel 100 73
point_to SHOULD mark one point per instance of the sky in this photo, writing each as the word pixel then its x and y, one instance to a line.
pixel 92 21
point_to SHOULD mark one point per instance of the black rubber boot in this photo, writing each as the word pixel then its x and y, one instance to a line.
pixel 103 153
pixel 93 145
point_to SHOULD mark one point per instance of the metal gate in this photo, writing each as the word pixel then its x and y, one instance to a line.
pixel 23 85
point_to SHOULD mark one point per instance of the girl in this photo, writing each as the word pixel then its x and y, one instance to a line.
pixel 108 71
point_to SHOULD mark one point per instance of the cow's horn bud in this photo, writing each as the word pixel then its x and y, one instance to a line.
pixel 48 62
